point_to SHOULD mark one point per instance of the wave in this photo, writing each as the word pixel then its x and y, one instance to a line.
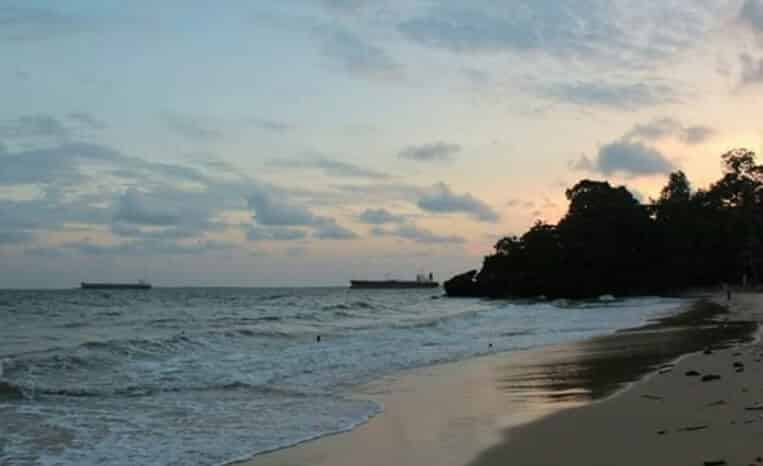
pixel 19 391
pixel 9 391
pixel 253 332
pixel 348 306
pixel 517 333
pixel 274 297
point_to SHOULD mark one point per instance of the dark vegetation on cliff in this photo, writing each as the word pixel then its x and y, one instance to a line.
pixel 610 243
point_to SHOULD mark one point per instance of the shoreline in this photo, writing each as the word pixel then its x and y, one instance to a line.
pixel 704 410
pixel 451 414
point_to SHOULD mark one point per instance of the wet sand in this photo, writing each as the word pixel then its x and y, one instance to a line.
pixel 537 407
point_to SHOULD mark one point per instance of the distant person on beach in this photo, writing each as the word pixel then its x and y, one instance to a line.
pixel 727 290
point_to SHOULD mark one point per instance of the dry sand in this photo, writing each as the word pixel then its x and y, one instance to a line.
pixel 534 408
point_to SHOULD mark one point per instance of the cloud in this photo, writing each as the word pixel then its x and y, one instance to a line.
pixel 621 96
pixel 697 134
pixel 476 77
pixel 96 188
pixel 345 6
pixel 272 125
pixel 751 15
pixel 31 24
pixel 72 162
pixel 752 70
pixel 357 56
pixel 329 229
pixel 379 217
pixel 663 128
pixel 436 151
pixel 330 167
pixel 271 209
pixel 377 192
pixel 14 237
pixel 441 199
pixel 171 232
pixel 191 128
pixel 628 158
pixel 470 30
pixel 275 234
pixel 87 120
pixel 416 234
pixel 133 208
pixel 35 127
pixel 618 33
pixel 140 247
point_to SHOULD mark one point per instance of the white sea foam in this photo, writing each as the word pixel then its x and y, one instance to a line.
pixel 148 378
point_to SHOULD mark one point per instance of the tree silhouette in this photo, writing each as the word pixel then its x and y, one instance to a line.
pixel 610 243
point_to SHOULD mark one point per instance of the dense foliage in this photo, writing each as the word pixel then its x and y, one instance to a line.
pixel 610 243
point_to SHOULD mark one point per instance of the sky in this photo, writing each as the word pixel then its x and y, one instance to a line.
pixel 309 142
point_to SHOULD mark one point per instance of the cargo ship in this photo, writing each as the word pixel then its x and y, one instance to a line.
pixel 140 285
pixel 421 281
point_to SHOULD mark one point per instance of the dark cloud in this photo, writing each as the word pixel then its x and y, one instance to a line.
pixel 171 232
pixel 271 209
pixel 436 151
pixel 583 164
pixel 626 34
pixel 530 26
pixel 628 158
pixel 56 164
pixel 330 167
pixel 697 134
pixel 14 236
pixel 34 127
pixel 133 208
pixel 329 229
pixel 275 234
pixel 345 6
pixel 751 15
pixel 359 57
pixel 519 203
pixel 69 178
pixel 148 247
pixel 663 128
pixel 191 128
pixel 31 24
pixel 622 96
pixel 751 70
pixel 477 78
pixel 378 192
pixel 441 199
pixel 87 120
pixel 272 125
pixel 379 217
pixel 419 235
pixel 67 164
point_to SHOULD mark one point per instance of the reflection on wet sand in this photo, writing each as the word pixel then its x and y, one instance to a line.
pixel 596 368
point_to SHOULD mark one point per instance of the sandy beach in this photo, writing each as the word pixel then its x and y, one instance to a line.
pixel 614 400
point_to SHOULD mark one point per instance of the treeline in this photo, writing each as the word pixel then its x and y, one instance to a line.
pixel 610 243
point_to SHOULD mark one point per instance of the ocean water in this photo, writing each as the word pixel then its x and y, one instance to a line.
pixel 209 376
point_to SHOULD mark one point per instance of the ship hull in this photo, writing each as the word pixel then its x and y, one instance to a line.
pixel 391 284
pixel 116 286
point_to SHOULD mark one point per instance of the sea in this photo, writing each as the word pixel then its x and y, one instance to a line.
pixel 210 376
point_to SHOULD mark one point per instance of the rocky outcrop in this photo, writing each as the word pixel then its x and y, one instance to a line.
pixel 463 286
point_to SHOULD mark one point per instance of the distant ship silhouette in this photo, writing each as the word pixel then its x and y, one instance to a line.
pixel 139 285
pixel 422 281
